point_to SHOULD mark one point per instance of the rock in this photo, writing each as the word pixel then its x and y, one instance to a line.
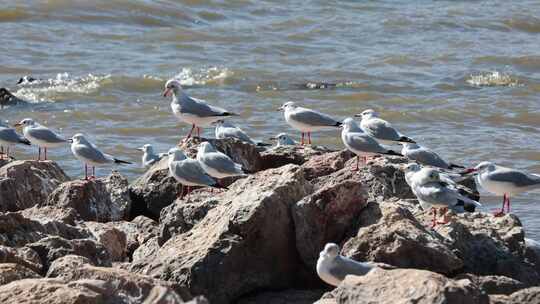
pixel 23 256
pixel 165 295
pixel 101 200
pixel 53 247
pixel 47 214
pixel 137 232
pixel 146 251
pixel 494 284
pixel 391 234
pixel 326 215
pixel 26 183
pixel 10 272
pixel 114 240
pixel 67 263
pixel 284 155
pixel 490 245
pixel 525 296
pixel 292 296
pixel 407 286
pixel 17 230
pixel 246 243
pixel 532 253
pixel 50 291
pixel 326 164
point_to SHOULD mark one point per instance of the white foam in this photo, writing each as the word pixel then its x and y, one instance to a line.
pixel 494 78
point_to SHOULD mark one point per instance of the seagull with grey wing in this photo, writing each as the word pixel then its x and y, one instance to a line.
pixel 333 267
pixel 380 129
pixel 9 138
pixel 307 120
pixel 188 172
pixel 225 129
pixel 503 181
pixel 90 155
pixel 149 157
pixel 425 156
pixel 217 164
pixel 283 139
pixel 193 111
pixel 40 136
pixel 360 143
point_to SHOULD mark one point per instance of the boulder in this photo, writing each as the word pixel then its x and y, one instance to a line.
pixel 10 272
pixel 146 251
pixel 17 230
pixel 67 263
pixel 26 183
pixel 137 232
pixel 407 286
pixel 284 155
pixel 532 253
pixel 54 247
pixel 291 296
pixel 524 296
pixel 113 239
pixel 494 284
pixel 23 256
pixel 244 244
pixel 165 295
pixel 326 215
pixel 50 291
pixel 101 200
pixel 391 234
pixel 46 214
pixel 326 163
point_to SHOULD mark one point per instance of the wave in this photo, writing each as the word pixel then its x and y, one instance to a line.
pixel 529 24
pixel 212 75
pixel 493 78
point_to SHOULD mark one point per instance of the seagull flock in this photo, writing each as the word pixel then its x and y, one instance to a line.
pixel 430 176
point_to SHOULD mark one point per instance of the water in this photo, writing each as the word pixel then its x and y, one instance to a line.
pixel 461 77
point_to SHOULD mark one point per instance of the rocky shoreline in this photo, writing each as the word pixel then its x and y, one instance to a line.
pixel 109 241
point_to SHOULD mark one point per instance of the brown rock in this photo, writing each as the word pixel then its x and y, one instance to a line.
pixel 10 272
pixel 26 183
pixel 326 164
pixel 525 296
pixel 67 263
pixel 284 155
pixel 101 200
pixel 392 235
pixel 244 244
pixel 292 296
pixel 407 286
pixel 114 240
pixel 146 251
pixel 494 284
pixel 165 295
pixel 23 256
pixel 46 214
pixel 50 291
pixel 137 232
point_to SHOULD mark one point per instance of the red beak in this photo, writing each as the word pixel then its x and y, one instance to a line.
pixel 17 124
pixel 167 92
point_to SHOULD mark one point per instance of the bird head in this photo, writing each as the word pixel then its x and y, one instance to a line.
pixel 330 250
pixel 25 122
pixel 77 138
pixel 146 148
pixel 172 85
pixel 176 154
pixel 367 114
pixel 287 105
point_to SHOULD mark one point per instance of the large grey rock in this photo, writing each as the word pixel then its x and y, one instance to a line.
pixel 101 200
pixel 50 291
pixel 10 272
pixel 26 183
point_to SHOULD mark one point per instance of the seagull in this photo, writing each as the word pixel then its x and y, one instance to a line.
pixel 361 143
pixel 380 129
pixel 425 156
pixel 149 157
pixel 307 120
pixel 9 138
pixel 433 193
pixel 282 139
pixel 40 136
pixel 503 181
pixel 333 267
pixel 192 110
pixel 188 172
pixel 217 164
pixel 90 155
pixel 226 129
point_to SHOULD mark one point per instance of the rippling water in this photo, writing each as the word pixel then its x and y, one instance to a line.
pixel 461 77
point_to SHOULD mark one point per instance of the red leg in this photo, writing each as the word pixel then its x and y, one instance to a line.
pixel 507 203
pixel 434 220
pixel 39 154
pixel 302 138
pixel 85 172
pixel 189 134
pixel 357 161
pixel 7 153
pixel 45 150
pixel 501 211
pixel 93 172
pixel 309 137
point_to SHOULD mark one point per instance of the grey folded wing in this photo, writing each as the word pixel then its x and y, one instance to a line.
pixel 200 108
pixel 221 163
pixel 437 193
pixel 234 133
pixel 46 135
pixel 92 154
pixel 9 135
pixel 364 142
pixel 191 171
pixel 343 266
pixel 381 129
pixel 427 157
pixel 313 118
pixel 518 178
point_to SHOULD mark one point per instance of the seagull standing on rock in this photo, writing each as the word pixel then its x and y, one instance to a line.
pixel 217 164
pixel 225 129
pixel 503 181
pixel 188 172
pixel 333 267
pixel 40 136
pixel 425 156
pixel 9 138
pixel 307 120
pixel 361 143
pixel 283 139
pixel 192 110
pixel 380 129
pixel 90 155
pixel 149 156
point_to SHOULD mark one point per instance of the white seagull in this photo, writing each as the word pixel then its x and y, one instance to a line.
pixel 149 156
pixel 40 136
pixel 9 138
pixel 283 139
pixel 225 129
pixel 90 155
pixel 192 110
pixel 217 164
pixel 307 120
pixel 504 181
pixel 333 267
pixel 361 143
pixel 425 156
pixel 379 128
pixel 188 172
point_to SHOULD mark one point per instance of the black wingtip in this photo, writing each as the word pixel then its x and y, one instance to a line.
pixel 25 141
pixel 406 139
pixel 262 144
pixel 338 124
pixel 454 166
pixel 391 152
pixel 229 114
pixel 119 161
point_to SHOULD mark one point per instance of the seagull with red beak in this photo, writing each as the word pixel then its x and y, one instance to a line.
pixel 503 181
pixel 193 111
